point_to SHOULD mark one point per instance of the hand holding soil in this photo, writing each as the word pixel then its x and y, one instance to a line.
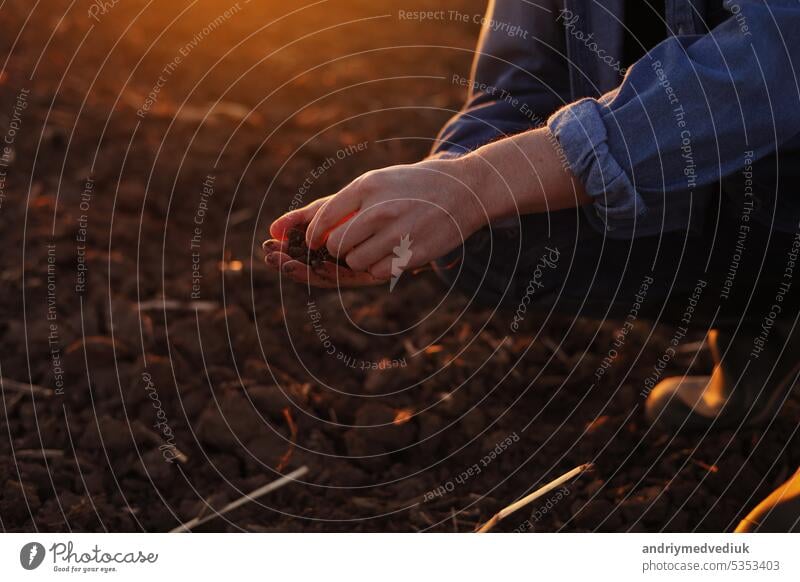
pixel 427 209
pixel 318 267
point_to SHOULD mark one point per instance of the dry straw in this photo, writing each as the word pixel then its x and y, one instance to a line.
pixel 544 490
pixel 252 496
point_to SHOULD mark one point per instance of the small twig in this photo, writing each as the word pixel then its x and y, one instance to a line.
pixel 181 457
pixel 704 466
pixel 156 439
pixel 556 349
pixel 410 348
pixel 284 460
pixel 426 517
pixel 506 511
pixel 240 216
pixel 13 385
pixel 13 401
pixel 494 343
pixel 252 496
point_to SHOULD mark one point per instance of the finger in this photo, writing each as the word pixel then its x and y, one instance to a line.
pixel 336 211
pixel 355 231
pixel 274 246
pixel 345 277
pixel 298 271
pixel 291 219
pixel 302 273
pixel 374 249
pixel 327 274
pixel 286 222
pixel 382 270
pixel 277 259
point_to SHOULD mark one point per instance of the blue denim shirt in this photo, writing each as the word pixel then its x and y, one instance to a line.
pixel 651 143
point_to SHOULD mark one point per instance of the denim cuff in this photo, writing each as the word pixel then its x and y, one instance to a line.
pixel 582 135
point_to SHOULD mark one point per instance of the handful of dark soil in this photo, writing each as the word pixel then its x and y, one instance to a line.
pixel 300 251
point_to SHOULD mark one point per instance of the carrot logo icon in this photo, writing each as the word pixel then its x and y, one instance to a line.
pixel 402 255
pixel 31 555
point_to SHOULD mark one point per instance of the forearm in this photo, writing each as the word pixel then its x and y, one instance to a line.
pixel 522 174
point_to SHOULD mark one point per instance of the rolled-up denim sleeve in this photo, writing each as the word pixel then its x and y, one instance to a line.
pixel 519 77
pixel 689 112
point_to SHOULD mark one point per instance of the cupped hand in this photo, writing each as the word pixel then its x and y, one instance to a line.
pixel 389 220
pixel 326 274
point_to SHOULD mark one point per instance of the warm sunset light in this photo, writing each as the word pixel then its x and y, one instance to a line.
pixel 321 270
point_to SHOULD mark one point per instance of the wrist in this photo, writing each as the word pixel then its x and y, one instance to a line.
pixel 524 174
pixel 494 172
pixel 490 199
pixel 470 205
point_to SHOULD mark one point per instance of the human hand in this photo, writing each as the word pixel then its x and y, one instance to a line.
pixel 408 215
pixel 402 217
pixel 312 267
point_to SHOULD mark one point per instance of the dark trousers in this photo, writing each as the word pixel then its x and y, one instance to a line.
pixel 735 270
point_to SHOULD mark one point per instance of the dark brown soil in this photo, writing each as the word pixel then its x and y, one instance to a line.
pixel 179 372
pixel 298 249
